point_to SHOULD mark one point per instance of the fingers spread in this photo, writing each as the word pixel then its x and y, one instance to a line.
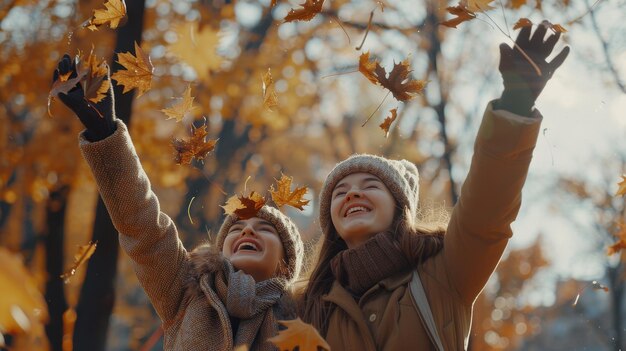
pixel 537 39
pixel 523 37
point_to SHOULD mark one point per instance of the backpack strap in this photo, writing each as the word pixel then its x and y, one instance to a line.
pixel 423 310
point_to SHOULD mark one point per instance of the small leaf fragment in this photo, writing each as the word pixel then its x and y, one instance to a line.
pixel 310 8
pixel 388 120
pixel 522 22
pixel 462 15
pixel 270 99
pixel 82 256
pixel 621 190
pixel 367 68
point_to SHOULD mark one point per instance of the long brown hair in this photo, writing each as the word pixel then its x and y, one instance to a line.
pixel 418 241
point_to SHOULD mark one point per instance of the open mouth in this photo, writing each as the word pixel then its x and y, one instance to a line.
pixel 247 246
pixel 356 210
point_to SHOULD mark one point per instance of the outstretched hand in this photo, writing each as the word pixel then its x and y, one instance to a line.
pixel 98 118
pixel 522 82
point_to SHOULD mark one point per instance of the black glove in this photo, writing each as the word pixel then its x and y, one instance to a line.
pixel 522 84
pixel 98 118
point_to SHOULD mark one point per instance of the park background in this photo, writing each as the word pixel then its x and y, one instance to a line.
pixel 557 288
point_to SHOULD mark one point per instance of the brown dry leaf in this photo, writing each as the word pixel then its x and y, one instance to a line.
pixel 270 99
pixel 620 243
pixel 244 207
pixel 273 3
pixel 621 190
pixel 461 14
pixel 95 85
pixel 399 83
pixel 196 147
pixel 367 68
pixel 557 28
pixel 309 9
pixel 388 120
pixel 299 334
pixel 180 109
pixel 516 4
pixel 197 48
pixel 284 196
pixel 64 84
pixel 115 10
pixel 138 72
pixel 82 256
pixel 522 22
pixel 21 304
pixel 476 5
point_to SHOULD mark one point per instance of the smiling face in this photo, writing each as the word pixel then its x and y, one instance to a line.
pixel 253 246
pixel 361 207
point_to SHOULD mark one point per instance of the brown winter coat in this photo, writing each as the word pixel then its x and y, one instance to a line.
pixel 385 317
pixel 179 284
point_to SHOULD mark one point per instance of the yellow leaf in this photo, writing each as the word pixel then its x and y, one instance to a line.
pixel 284 196
pixel 244 207
pixel 181 108
pixel 269 92
pixel 114 11
pixel 197 48
pixel 95 85
pixel 621 191
pixel 299 334
pixel 476 5
pixel 387 122
pixel 83 255
pixel 21 304
pixel 138 72
pixel 195 147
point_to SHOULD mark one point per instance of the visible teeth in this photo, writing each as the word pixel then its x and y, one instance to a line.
pixel 248 246
pixel 355 209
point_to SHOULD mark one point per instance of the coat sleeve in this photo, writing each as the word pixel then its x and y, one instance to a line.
pixel 147 235
pixel 490 199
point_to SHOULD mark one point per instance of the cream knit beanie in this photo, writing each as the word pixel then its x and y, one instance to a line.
pixel 400 176
pixel 287 231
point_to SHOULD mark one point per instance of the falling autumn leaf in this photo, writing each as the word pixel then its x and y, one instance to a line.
pixel 620 244
pixel 197 48
pixel 82 256
pixel 284 196
pixel 399 83
pixel 522 22
pixel 461 14
pixel 269 92
pixel 557 28
pixel 621 190
pixel 299 334
pixel 388 120
pixel 367 68
pixel 244 207
pixel 181 108
pixel 516 4
pixel 61 86
pixel 138 72
pixel 21 304
pixel 115 10
pixel 94 82
pixel 310 8
pixel 476 5
pixel 195 147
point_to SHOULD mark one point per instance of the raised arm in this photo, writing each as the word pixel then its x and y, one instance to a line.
pixel 491 194
pixel 147 235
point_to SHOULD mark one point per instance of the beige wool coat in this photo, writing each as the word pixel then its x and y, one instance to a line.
pixel 192 320
pixel 385 317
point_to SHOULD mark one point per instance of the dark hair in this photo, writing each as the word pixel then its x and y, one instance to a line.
pixel 417 241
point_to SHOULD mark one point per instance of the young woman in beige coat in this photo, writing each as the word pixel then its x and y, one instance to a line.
pixel 215 297
pixel 383 282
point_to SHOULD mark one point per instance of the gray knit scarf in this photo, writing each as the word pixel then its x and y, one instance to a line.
pixel 251 303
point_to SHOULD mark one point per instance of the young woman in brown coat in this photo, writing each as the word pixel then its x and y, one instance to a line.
pixel 215 297
pixel 382 281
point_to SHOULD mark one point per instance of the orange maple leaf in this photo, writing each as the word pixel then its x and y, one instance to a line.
pixel 388 120
pixel 299 334
pixel 138 72
pixel 401 86
pixel 516 4
pixel 180 109
pixel 94 83
pixel 244 207
pixel 82 256
pixel 196 147
pixel 557 28
pixel 621 190
pixel 115 10
pixel 462 15
pixel 270 99
pixel 367 68
pixel 620 243
pixel 284 196
pixel 197 48
pixel 310 8
pixel 522 22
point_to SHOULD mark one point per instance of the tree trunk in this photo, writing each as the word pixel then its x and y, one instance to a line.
pixel 97 296
pixel 55 293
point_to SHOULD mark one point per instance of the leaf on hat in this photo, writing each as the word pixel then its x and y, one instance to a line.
pixel 138 72
pixel 283 195
pixel 196 147
pixel 388 120
pixel 299 334
pixel 84 253
pixel 244 207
